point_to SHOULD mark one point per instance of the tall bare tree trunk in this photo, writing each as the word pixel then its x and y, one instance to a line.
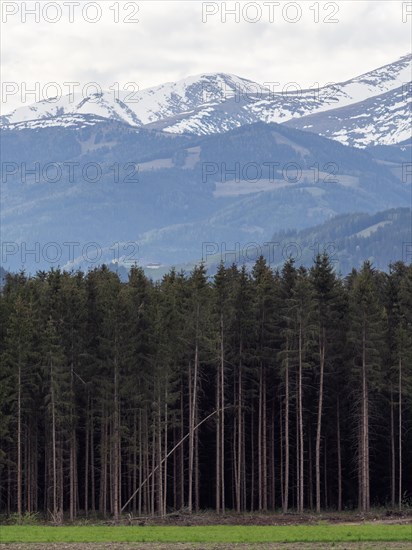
pixel 222 423
pixel 61 482
pixel 72 476
pixel 239 437
pixel 192 419
pixel 360 462
pixel 72 447
pixel 252 457
pixel 196 469
pixel 116 444
pixel 400 434
pixel 182 456
pixel 54 443
pixel 92 472
pixel 103 464
pixel 153 469
pixel 310 465
pixel 135 459
pixel 300 416
pixel 365 430
pixel 175 473
pixel 218 439
pixel 325 475
pixel 393 463
pixel 146 467
pixel 260 437
pixel 86 461
pixel 19 461
pixel 141 463
pixel 159 459
pixel 286 472
pixel 29 491
pixel 264 444
pixel 191 443
pixel 339 455
pixel 166 455
pixel 281 452
pixel 272 471
pixel 244 483
pixel 319 421
pixel 297 450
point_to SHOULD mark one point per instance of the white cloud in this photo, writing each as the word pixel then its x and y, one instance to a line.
pixel 171 42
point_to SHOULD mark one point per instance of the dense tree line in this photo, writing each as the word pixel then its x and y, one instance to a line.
pixel 255 390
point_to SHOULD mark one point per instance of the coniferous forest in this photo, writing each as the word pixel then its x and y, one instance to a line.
pixel 248 391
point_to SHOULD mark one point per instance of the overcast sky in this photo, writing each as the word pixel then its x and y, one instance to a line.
pixel 170 40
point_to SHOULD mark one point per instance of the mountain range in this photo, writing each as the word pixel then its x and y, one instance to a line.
pixel 383 238
pixel 371 109
pixel 197 166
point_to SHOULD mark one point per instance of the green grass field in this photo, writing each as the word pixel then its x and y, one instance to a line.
pixel 208 534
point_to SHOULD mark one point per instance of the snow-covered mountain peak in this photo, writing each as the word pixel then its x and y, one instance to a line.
pixel 217 102
pixel 383 77
pixel 138 107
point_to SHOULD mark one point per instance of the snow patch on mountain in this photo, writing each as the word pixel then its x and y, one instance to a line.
pixel 382 120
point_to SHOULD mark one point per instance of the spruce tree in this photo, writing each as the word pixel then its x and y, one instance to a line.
pixel 324 285
pixel 367 317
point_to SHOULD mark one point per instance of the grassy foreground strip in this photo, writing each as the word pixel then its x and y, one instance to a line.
pixel 208 534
